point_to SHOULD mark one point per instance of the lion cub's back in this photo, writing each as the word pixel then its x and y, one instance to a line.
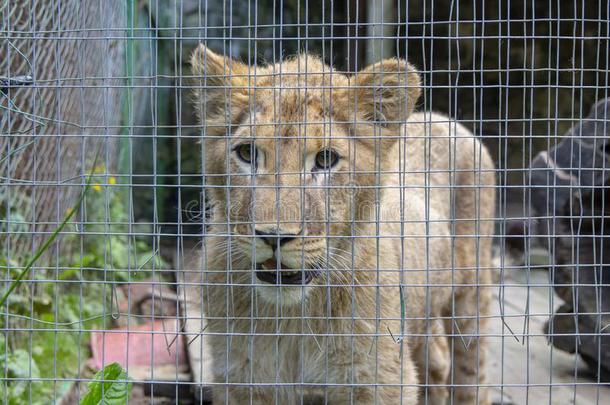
pixel 454 179
pixel 439 144
pixel 444 154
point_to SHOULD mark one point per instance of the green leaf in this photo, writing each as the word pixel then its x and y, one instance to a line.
pixel 120 252
pixel 19 364
pixel 110 386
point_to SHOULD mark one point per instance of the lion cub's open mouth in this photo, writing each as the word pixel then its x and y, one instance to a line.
pixel 269 272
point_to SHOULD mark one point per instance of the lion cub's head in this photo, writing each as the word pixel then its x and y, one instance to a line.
pixel 293 153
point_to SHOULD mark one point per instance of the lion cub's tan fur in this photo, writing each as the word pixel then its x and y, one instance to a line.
pixel 409 203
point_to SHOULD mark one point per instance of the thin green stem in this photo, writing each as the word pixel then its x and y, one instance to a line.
pixel 45 246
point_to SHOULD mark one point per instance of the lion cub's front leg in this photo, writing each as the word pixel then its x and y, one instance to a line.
pixel 249 376
pixel 247 395
pixel 375 377
pixel 231 395
pixel 242 391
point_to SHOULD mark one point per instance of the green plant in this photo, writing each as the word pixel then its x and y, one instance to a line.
pixel 107 244
pixel 110 386
pixel 59 308
pixel 19 367
pixel 47 243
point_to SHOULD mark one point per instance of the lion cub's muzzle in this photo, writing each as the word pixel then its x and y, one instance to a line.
pixel 270 272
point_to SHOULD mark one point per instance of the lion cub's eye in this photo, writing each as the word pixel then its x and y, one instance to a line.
pixel 246 152
pixel 326 158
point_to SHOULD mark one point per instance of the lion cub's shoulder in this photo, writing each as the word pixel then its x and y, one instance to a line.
pixel 433 124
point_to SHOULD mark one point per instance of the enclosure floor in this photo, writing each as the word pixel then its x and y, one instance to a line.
pixel 552 376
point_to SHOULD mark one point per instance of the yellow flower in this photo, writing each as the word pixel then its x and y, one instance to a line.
pixel 112 180
pixel 97 187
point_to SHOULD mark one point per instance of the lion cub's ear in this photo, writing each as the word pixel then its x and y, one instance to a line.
pixel 221 83
pixel 386 92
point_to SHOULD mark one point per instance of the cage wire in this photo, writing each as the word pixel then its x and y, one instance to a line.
pixel 69 68
pixel 302 202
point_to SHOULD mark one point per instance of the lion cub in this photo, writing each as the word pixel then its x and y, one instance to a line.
pixel 349 242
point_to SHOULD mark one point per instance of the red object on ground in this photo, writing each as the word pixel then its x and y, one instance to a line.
pixel 152 344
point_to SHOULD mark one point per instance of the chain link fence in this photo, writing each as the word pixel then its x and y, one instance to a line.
pixel 62 64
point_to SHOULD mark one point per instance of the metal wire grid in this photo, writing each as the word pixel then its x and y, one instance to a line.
pixel 132 90
pixel 74 98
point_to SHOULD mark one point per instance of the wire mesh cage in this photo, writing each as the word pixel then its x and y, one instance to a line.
pixel 61 68
pixel 372 202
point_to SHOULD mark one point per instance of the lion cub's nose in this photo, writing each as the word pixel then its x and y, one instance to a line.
pixel 274 238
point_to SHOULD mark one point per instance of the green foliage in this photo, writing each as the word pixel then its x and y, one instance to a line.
pixel 19 366
pixel 72 298
pixel 45 246
pixel 106 240
pixel 110 386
